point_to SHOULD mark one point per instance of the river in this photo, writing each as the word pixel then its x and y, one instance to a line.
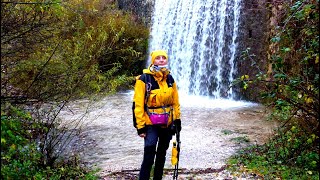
pixel 211 132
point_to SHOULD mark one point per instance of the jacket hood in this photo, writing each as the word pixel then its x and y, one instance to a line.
pixel 148 71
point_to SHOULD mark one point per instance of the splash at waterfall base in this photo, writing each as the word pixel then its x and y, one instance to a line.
pixel 209 136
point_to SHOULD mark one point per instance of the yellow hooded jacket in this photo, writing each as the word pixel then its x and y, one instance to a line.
pixel 161 94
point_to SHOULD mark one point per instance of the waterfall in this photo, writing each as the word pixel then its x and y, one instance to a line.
pixel 201 40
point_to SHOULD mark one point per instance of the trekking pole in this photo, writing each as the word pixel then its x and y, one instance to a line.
pixel 176 167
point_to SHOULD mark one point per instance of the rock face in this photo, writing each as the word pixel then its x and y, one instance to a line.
pixel 253 30
pixel 141 8
pixel 253 34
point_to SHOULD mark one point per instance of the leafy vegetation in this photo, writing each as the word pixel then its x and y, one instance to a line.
pixel 53 52
pixel 290 88
pixel 241 139
pixel 54 49
pixel 20 155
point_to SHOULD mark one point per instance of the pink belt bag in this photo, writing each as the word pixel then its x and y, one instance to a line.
pixel 159 119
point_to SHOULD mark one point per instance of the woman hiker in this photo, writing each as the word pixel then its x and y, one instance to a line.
pixel 157 113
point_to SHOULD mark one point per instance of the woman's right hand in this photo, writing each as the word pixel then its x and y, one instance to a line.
pixel 142 135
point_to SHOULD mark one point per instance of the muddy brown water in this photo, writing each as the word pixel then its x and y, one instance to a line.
pixel 209 135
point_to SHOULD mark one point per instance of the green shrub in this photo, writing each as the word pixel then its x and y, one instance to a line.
pixel 20 155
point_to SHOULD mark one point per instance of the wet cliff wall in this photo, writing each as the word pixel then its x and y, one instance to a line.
pixel 254 35
pixel 142 9
pixel 259 20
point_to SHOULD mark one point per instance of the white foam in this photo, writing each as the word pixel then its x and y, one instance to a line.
pixel 206 102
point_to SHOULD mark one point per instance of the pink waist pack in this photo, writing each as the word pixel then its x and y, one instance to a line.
pixel 159 119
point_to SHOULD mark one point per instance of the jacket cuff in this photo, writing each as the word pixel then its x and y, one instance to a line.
pixel 142 130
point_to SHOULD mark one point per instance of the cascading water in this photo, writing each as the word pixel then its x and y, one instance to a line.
pixel 200 37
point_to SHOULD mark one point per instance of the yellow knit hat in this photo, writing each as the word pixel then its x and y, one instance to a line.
pixel 156 53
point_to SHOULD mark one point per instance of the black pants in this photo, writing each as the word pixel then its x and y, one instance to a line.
pixel 155 135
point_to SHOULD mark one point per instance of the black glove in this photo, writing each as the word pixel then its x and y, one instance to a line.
pixel 142 130
pixel 176 126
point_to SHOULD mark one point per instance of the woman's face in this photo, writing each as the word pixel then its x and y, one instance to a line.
pixel 160 61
